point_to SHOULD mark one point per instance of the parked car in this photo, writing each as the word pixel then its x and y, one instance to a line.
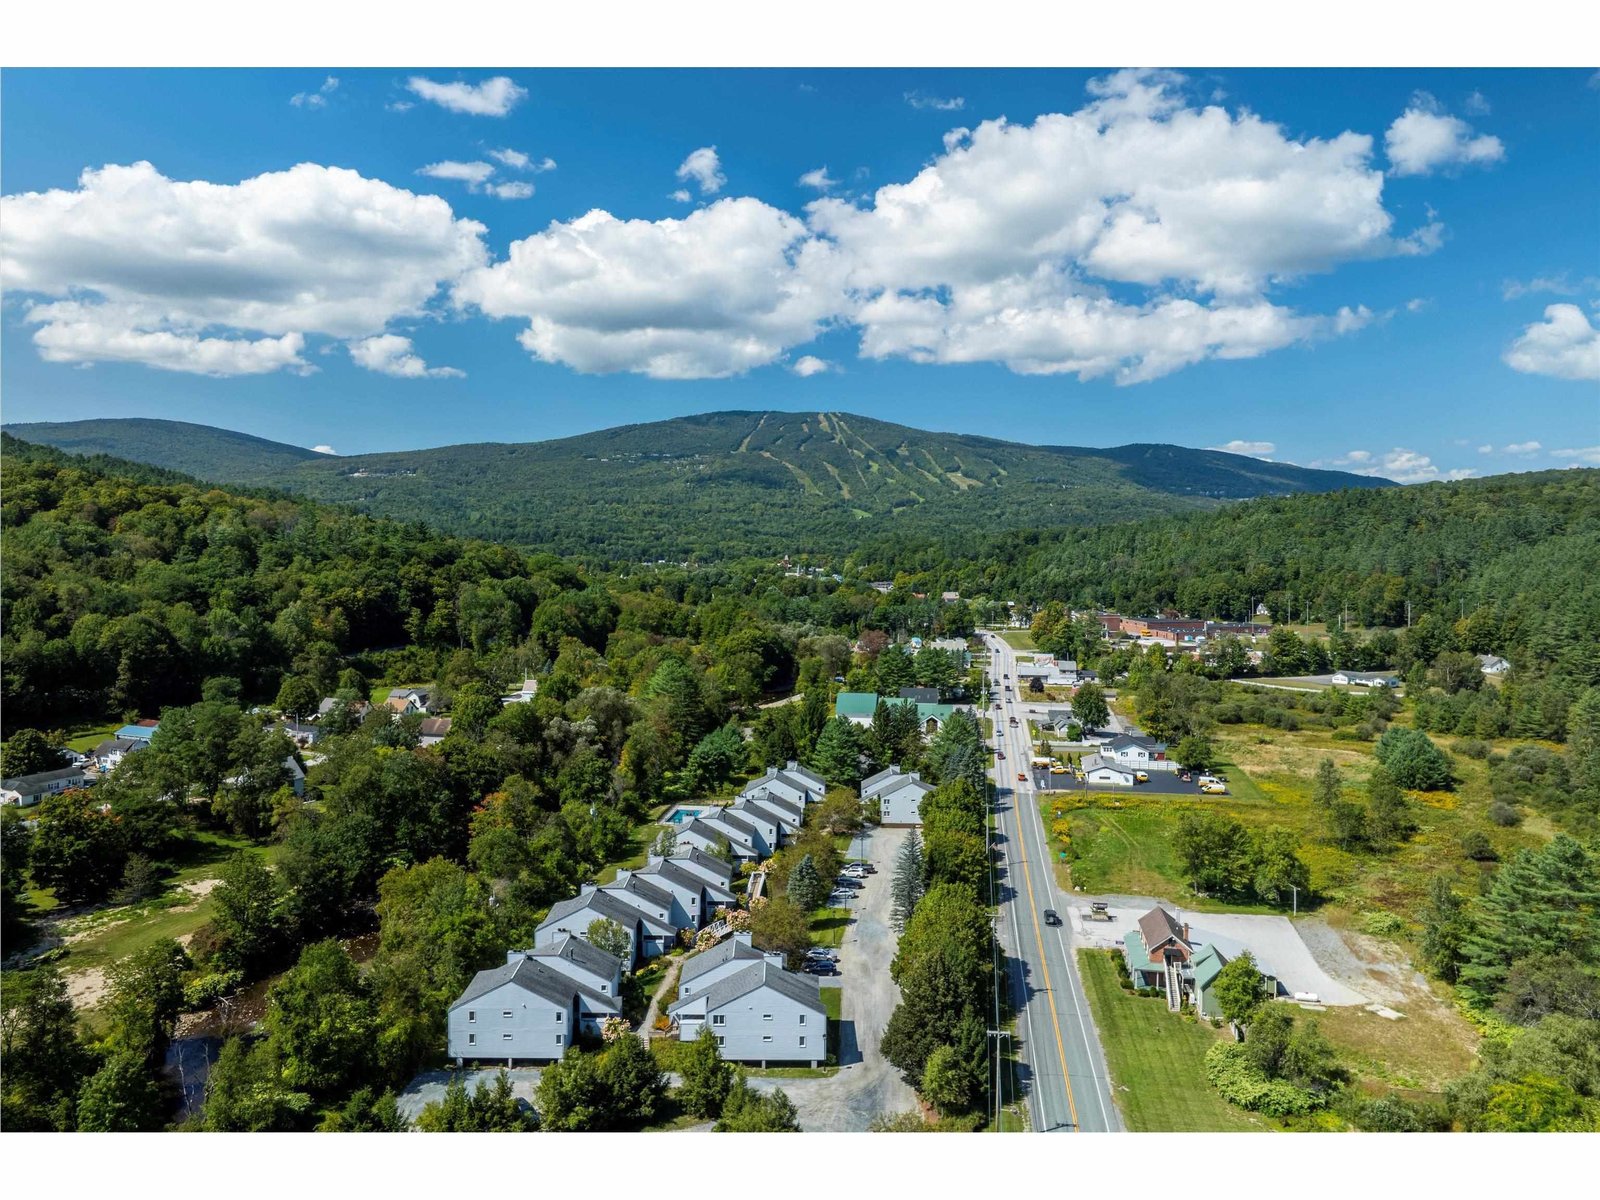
pixel 1058 769
pixel 999 753
pixel 1050 917
pixel 821 966
pixel 1141 777
pixel 1214 789
pixel 1021 778
pixel 869 868
pixel 822 952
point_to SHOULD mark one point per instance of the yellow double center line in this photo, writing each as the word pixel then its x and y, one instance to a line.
pixel 1044 963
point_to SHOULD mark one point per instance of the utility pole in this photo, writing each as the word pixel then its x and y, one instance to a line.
pixel 999 1078
pixel 1296 892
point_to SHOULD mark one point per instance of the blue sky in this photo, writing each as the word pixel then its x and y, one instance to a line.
pixel 1194 258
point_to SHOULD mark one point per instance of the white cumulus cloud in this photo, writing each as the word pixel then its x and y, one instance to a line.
pixel 808 365
pixel 1399 464
pixel 1002 248
pixel 225 279
pixel 940 103
pixel 729 287
pixel 1583 454
pixel 704 168
pixel 324 449
pixel 818 179
pixel 1525 449
pixel 1425 138
pixel 1564 345
pixel 519 161
pixel 318 98
pixel 493 97
pixel 391 354
pixel 472 174
pixel 1252 449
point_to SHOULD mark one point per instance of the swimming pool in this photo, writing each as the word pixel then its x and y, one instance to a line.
pixel 682 815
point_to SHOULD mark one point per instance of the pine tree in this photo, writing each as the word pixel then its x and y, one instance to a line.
pixel 806 888
pixel 1389 817
pixel 1325 791
pixel 838 752
pixel 910 882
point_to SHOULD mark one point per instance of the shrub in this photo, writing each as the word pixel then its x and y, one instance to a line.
pixel 1505 815
pixel 1476 846
pixel 1472 748
pixel 1382 924
pixel 1241 1082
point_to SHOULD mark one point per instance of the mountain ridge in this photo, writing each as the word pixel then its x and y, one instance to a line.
pixel 761 480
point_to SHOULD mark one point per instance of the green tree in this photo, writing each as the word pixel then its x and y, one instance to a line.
pixel 1583 743
pixel 707 1078
pixel 605 934
pixel 1444 929
pixel 1196 752
pixel 121 1097
pixel 366 1112
pixel 1413 760
pixel 837 756
pixel 489 1108
pixel 1240 989
pixel 806 888
pixel 783 927
pixel 1347 824
pixel 45 1061
pixel 1532 1105
pixel 1328 787
pixel 1280 874
pixel 246 912
pixel 77 850
pixel 1089 706
pixel 28 752
pixel 297 697
pixel 245 1092
pixel 1214 852
pixel 749 1111
pixel 321 1014
pixel 144 1000
pixel 572 1095
pixel 910 881
pixel 635 1082
pixel 1389 817
pixel 1542 984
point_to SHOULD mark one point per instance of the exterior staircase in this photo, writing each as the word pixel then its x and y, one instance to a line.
pixel 1174 986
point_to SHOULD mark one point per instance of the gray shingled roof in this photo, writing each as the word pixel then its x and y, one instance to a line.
pixel 886 773
pixel 704 829
pixel 728 818
pixel 571 946
pixel 697 965
pixel 22 783
pixel 801 988
pixel 709 861
pixel 644 889
pixel 766 809
pixel 673 873
pixel 606 905
pixel 530 975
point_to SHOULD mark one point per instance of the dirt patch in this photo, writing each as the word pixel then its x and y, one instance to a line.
pixel 89 931
pixel 86 988
pixel 1375 968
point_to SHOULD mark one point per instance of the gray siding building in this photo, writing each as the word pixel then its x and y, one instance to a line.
pixel 762 1014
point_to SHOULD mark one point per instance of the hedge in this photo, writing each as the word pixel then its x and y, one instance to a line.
pixel 1240 1082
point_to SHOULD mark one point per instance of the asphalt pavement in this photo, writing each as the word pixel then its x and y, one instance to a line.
pixel 1065 1077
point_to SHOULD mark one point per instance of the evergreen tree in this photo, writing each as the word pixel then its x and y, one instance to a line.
pixel 1326 790
pixel 1544 901
pixel 1413 760
pixel 1389 817
pixel 909 883
pixel 707 1078
pixel 749 1111
pixel 1444 929
pixel 837 756
pixel 806 888
pixel 121 1097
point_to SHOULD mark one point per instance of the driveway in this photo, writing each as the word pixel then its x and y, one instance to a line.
pixel 867 1085
pixel 430 1086
pixel 1279 949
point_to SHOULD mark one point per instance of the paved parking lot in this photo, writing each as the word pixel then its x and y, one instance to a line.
pixel 1166 783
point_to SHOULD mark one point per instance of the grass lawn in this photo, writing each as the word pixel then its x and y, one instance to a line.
pixel 828 926
pixel 380 692
pixel 84 738
pixel 643 837
pixel 1155 1059
pixel 1018 639
pixel 109 934
pixel 1424 1051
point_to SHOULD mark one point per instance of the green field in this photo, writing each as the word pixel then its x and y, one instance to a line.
pixel 1155 1059
pixel 1018 639
pixel 828 926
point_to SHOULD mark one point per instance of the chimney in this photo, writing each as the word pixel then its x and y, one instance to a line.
pixel 793 764
pixel 1186 931
pixel 916 776
pixel 895 768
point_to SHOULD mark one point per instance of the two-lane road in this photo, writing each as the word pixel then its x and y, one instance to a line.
pixel 1068 1086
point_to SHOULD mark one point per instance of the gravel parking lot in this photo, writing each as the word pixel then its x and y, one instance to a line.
pixel 1275 941
pixel 867 1085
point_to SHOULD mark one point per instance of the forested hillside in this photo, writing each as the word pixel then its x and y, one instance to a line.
pixel 720 486
pixel 1508 565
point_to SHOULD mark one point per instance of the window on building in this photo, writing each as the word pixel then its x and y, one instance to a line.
pixel 721 1041
pixel 802 1039
pixel 472 1015
pixel 506 1013
pixel 472 1039
pixel 719 1019
pixel 767 1038
pixel 802 1018
pixel 558 1039
pixel 559 1016
pixel 505 1037
pixel 766 1016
